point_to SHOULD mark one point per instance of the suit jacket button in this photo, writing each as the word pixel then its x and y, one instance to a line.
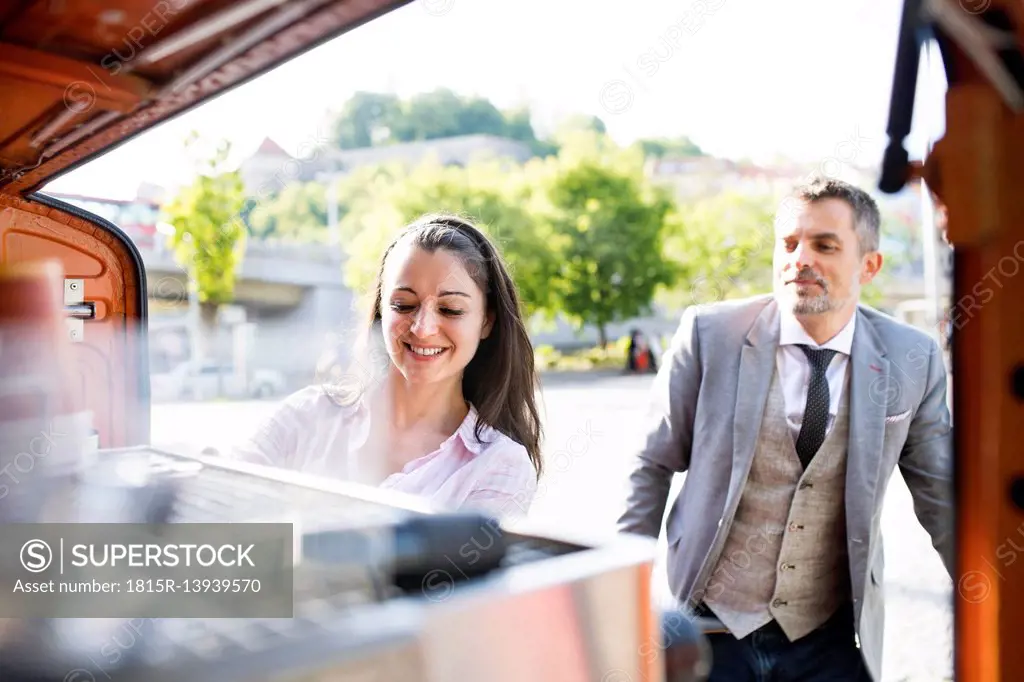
pixel 804 485
pixel 779 602
pixel 795 526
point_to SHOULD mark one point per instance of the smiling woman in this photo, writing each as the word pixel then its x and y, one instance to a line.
pixel 440 399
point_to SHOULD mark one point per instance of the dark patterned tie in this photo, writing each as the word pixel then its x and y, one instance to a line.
pixel 812 430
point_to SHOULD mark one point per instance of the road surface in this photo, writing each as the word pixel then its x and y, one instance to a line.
pixel 591 426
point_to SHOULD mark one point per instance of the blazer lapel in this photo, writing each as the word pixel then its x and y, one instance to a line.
pixel 872 388
pixel 757 364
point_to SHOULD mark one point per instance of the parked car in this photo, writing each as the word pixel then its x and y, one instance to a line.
pixel 208 380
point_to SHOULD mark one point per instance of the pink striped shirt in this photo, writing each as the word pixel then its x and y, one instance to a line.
pixel 311 433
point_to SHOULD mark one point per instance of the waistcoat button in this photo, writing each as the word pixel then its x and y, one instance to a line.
pixel 795 526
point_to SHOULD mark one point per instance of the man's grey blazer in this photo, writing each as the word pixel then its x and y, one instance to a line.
pixel 708 401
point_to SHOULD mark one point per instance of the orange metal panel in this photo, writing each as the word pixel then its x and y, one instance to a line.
pixel 109 373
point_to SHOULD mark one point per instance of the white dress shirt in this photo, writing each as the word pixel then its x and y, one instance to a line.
pixel 795 369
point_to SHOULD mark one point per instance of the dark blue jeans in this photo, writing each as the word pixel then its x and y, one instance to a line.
pixel 828 654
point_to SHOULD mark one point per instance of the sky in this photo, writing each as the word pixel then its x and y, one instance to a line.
pixel 807 79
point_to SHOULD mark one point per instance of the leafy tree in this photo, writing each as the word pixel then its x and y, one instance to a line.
pixel 490 194
pixel 661 147
pixel 373 119
pixel 480 115
pixel 608 226
pixel 722 247
pixel 209 237
pixel 297 214
pixel 366 119
pixel 581 122
pixel 518 126
pixel 429 115
pixel 442 113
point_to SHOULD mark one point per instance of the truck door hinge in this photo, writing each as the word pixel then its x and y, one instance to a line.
pixel 76 309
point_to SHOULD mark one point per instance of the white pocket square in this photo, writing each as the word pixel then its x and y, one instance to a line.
pixel 893 418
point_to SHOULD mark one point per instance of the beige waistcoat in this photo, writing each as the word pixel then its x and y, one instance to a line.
pixel 785 556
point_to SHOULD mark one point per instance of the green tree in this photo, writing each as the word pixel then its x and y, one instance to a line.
pixel 373 119
pixel 518 126
pixel 581 122
pixel 661 147
pixel 442 113
pixel 490 194
pixel 608 225
pixel 209 237
pixel 722 247
pixel 297 214
pixel 366 119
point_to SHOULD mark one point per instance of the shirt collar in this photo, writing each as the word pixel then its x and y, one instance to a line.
pixel 467 432
pixel 792 332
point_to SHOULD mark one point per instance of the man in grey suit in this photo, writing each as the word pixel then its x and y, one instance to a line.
pixel 789 413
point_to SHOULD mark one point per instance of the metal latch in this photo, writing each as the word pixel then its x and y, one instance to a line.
pixel 76 309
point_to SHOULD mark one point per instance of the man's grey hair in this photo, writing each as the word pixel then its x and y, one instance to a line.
pixel 866 218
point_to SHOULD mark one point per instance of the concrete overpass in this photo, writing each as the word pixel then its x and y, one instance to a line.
pixel 271 274
pixel 289 300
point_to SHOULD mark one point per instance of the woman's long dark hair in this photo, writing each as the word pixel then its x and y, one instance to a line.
pixel 500 381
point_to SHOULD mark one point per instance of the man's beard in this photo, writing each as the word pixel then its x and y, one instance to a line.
pixel 811 305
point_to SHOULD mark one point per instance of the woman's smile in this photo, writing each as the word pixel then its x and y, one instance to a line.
pixel 424 353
